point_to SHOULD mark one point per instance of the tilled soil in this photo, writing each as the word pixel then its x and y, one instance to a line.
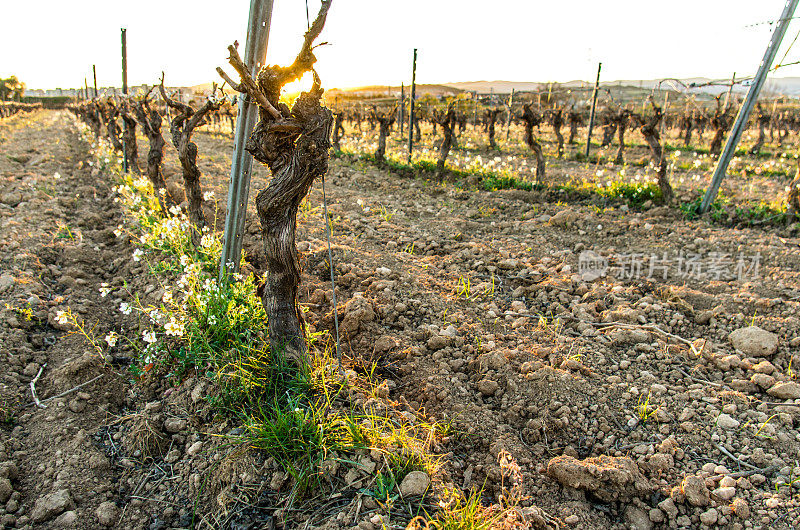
pixel 476 309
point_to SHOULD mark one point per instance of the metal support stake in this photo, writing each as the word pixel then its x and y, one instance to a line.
pixel 94 74
pixel 411 106
pixel 591 114
pixel 747 106
pixel 508 120
pixel 241 163
pixel 402 107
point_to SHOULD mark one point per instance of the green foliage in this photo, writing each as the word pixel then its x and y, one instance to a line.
pixel 9 407
pixel 635 193
pixel 11 88
pixel 723 211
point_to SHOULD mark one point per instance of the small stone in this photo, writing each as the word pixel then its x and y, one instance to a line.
pixel 107 513
pixel 66 519
pixel 787 390
pixel 656 515
pixel 488 387
pixel 754 341
pixel 762 380
pixel 668 505
pixel 709 517
pixel 637 518
pixel 437 342
pixel 153 407
pixel 764 367
pixel 51 505
pixel 77 405
pixel 727 482
pixel 726 421
pixel 174 425
pixel 572 519
pixel 383 271
pixel 740 508
pixel 194 448
pixel 414 484
pixel 695 490
pixel 723 494
pixel 384 344
pixel 5 490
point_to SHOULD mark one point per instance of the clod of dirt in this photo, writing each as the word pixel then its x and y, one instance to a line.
pixel 356 311
pixel 5 490
pixel 754 341
pixel 789 390
pixel 607 478
pixel 107 513
pixel 695 490
pixel 51 505
pixel 414 484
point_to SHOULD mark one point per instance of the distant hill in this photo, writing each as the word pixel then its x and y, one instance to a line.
pixel 788 86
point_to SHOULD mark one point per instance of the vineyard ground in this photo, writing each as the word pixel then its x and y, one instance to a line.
pixel 456 282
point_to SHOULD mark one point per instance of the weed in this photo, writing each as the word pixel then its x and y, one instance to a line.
pixel 9 407
pixel 763 425
pixel 644 410
pixel 463 287
pixel 386 215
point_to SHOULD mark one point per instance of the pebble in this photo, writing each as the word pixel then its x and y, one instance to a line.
pixel 709 517
pixel 754 341
pixel 788 390
pixel 107 513
pixel 726 421
pixel 414 484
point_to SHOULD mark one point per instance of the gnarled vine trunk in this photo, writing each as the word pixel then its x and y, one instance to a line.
pixel 150 121
pixel 491 120
pixel 294 144
pixel 385 122
pixel 530 120
pixel 447 120
pixel 649 128
pixel 338 130
pixel 183 124
pixel 557 121
pixel 129 138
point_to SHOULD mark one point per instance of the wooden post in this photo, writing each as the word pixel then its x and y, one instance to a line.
pixel 85 89
pixel 730 89
pixel 94 75
pixel 747 106
pixel 124 91
pixel 591 114
pixel 411 106
pixel 258 25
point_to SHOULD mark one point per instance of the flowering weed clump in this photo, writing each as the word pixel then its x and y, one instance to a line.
pixel 301 416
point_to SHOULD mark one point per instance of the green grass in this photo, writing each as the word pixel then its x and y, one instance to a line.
pixel 723 211
pixel 9 407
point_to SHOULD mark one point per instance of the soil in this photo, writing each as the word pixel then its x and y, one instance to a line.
pixel 624 398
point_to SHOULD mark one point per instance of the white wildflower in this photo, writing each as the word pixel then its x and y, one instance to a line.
pixel 61 317
pixel 104 289
pixel 111 339
pixel 174 328
pixel 137 254
pixel 125 308
pixel 149 337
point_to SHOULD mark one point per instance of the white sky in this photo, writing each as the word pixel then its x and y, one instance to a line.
pixel 53 43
